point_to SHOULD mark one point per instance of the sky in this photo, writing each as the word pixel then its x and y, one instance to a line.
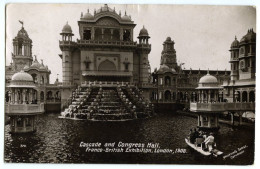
pixel 202 34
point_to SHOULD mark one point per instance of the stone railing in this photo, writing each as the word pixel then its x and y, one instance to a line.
pixel 106 43
pixel 106 83
pixel 223 106
pixel 19 109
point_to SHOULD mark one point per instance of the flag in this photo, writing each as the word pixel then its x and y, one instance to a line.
pixel 21 22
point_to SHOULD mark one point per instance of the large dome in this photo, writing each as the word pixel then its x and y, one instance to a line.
pixel 249 37
pixel 66 28
pixel 208 79
pixel 22 76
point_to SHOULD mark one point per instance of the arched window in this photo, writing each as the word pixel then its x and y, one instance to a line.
pixel 49 95
pixel 107 65
pixel 126 35
pixel 244 96
pixel 251 96
pixel 87 34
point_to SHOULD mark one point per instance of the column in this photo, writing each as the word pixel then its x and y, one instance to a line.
pixel 15 97
pixel 121 34
pixel 111 32
pixel 202 96
pixel 92 33
pixel 240 118
pixel 102 33
pixel 208 96
pixel 198 120
pixel 209 121
pixel 201 119
pixel 216 121
pixel 23 95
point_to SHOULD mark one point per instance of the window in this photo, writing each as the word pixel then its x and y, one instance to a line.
pixel 87 34
pixel 126 35
pixel 126 66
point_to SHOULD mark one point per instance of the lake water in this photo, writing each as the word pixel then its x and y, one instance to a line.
pixel 58 141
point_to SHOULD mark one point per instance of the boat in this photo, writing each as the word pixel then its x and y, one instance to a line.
pixel 213 151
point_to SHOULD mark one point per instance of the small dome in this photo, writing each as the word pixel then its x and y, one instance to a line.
pixel 126 18
pixel 168 39
pixel 66 28
pixel 235 43
pixel 105 8
pixel 35 64
pixel 143 32
pixel 22 34
pixel 88 15
pixel 164 68
pixel 208 79
pixel 22 76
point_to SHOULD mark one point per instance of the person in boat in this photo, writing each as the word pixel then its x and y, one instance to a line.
pixel 209 141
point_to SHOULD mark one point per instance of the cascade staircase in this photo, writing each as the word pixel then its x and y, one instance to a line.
pixel 107 104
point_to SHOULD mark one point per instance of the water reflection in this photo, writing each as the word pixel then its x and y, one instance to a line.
pixel 57 141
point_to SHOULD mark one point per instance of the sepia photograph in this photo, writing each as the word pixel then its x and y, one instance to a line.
pixel 107 83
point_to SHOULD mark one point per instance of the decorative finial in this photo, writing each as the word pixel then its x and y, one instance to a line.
pixel 42 61
pixel 81 14
pixel 208 71
pixel 35 58
pixel 95 12
pixel 21 22
pixel 120 13
pixel 125 12
pixel 235 37
pixel 88 10
pixel 114 9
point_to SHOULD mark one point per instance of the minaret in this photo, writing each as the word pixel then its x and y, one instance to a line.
pixel 169 54
pixel 66 46
pixel 22 50
pixel 234 62
pixel 144 49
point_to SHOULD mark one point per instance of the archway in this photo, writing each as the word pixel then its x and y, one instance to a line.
pixel 244 96
pixel 107 66
pixel 167 80
pixel 167 95
pixel 252 96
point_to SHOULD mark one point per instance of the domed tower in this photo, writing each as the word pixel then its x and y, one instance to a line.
pixel 66 46
pixel 247 47
pixel 234 63
pixel 143 48
pixel 169 54
pixel 22 50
